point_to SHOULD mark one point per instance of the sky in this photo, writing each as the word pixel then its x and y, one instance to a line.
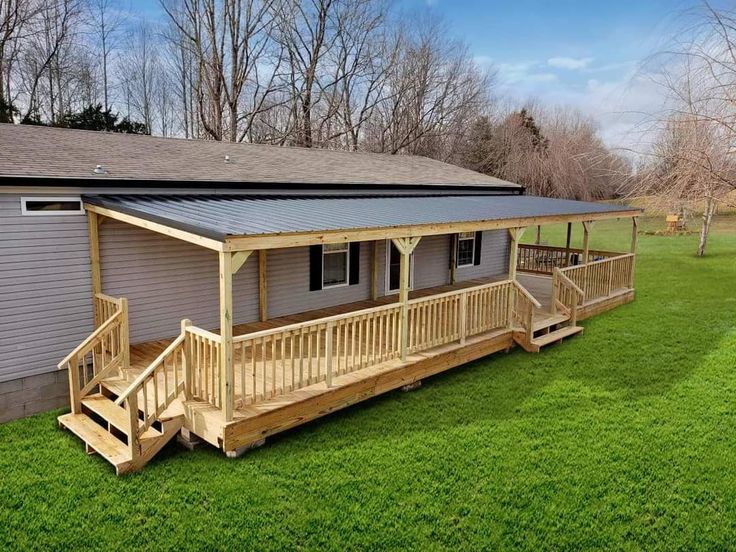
pixel 587 54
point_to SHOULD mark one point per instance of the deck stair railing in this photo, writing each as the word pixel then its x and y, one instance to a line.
pixel 103 353
pixel 523 305
pixel 566 296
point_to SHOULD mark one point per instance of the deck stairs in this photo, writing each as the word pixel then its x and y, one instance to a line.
pixel 104 427
pixel 547 329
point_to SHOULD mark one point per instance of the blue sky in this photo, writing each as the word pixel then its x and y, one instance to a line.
pixel 581 53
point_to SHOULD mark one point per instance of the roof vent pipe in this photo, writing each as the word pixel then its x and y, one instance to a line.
pixel 99 169
pixel 227 159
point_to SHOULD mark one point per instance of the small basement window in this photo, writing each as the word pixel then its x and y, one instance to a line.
pixel 465 248
pixel 42 206
pixel 335 264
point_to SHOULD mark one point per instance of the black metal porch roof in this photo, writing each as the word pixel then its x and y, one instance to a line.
pixel 220 217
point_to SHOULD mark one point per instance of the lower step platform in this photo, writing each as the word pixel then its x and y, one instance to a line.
pixel 555 336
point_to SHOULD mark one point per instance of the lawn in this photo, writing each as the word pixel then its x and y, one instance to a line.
pixel 622 438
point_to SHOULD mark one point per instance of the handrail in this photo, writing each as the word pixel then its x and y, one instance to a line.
pixel 540 247
pixel 569 282
pixel 528 295
pixel 352 314
pixel 91 338
pixel 137 382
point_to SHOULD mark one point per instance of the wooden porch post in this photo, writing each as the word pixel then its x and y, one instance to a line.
pixel 587 225
pixel 567 244
pixel 93 225
pixel 374 270
pixel 634 239
pixel 262 285
pixel 453 259
pixel 516 234
pixel 539 235
pixel 406 247
pixel 227 373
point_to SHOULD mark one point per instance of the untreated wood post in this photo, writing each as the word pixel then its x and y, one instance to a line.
pixel 587 225
pixel 406 247
pixel 73 371
pixel 94 260
pixel 463 314
pixel 187 358
pixel 132 407
pixel 374 270
pixel 262 285
pixel 516 234
pixel 125 333
pixel 634 239
pixel 227 372
pixel 453 258
pixel 328 353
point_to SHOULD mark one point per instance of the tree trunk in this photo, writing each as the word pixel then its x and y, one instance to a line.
pixel 710 207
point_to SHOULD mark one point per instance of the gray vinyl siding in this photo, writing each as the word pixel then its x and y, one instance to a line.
pixel 45 286
pixel 167 280
pixel 288 283
pixel 494 257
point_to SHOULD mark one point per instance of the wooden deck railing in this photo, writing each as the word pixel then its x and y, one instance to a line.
pixel 566 295
pixel 203 351
pixel 522 310
pixel 153 391
pixel 102 353
pixel 543 259
pixel 600 279
pixel 272 362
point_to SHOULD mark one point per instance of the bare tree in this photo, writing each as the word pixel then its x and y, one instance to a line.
pixel 105 22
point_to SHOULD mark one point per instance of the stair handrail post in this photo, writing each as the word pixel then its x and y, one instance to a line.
pixel 131 406
pixel 463 314
pixel 124 332
pixel 187 358
pixel 74 389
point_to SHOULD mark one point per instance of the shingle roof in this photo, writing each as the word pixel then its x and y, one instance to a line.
pixel 218 217
pixel 33 151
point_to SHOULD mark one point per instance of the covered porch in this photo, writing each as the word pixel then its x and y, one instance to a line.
pixel 234 385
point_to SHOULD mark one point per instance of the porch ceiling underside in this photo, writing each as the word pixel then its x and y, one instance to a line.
pixel 225 218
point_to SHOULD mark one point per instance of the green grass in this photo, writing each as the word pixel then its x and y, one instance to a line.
pixel 622 438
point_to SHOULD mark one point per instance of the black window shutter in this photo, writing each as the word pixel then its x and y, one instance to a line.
pixel 315 267
pixel 478 243
pixel 354 276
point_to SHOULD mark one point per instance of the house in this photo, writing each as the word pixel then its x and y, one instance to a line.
pixel 227 292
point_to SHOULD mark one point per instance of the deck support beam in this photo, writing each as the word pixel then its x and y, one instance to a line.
pixel 406 247
pixel 93 225
pixel 227 373
pixel 262 285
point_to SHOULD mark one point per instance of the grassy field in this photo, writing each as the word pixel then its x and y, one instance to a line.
pixel 622 438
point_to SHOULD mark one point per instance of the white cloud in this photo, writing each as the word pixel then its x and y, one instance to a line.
pixel 572 64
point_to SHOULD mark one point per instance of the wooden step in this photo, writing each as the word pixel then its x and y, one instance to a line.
pixel 549 320
pixel 96 437
pixel 556 335
pixel 115 415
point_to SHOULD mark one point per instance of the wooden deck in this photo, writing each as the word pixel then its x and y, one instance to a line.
pixel 292 369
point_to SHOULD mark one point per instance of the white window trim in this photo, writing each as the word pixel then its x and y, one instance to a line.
pixel 387 275
pixel 25 212
pixel 347 267
pixel 457 252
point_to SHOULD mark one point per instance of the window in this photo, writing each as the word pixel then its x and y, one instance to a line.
pixel 44 206
pixel 335 264
pixel 465 248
